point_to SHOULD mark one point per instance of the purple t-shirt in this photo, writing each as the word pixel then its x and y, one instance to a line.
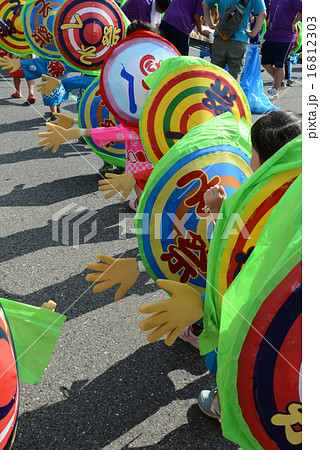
pixel 180 14
pixel 282 14
pixel 138 9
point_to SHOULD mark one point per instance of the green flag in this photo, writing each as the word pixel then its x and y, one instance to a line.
pixel 35 332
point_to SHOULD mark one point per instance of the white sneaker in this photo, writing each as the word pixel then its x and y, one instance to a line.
pixel 273 94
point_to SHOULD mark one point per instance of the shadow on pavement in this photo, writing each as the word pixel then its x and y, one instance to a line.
pixel 200 432
pixel 37 153
pixel 34 239
pixel 21 125
pixel 92 415
pixel 52 192
pixel 75 297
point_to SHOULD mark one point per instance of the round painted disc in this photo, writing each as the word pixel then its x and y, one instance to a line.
pixel 187 97
pixel 9 384
pixel 174 241
pixel 238 247
pixel 93 114
pixel 269 368
pixel 37 19
pixel 122 87
pixel 12 37
pixel 84 30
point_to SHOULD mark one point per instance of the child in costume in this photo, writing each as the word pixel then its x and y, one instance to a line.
pixel 34 68
pixel 268 134
pixel 79 82
pixel 136 158
pixel 265 142
pixel 17 75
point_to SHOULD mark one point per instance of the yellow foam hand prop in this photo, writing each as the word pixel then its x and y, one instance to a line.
pixel 111 271
pixel 117 183
pixel 47 86
pixel 63 120
pixel 49 305
pixel 9 64
pixel 57 136
pixel 173 315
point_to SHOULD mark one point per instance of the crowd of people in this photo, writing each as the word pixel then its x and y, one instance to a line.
pixel 174 20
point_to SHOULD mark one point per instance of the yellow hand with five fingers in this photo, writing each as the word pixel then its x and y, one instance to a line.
pixel 63 121
pixel 111 271
pixel 117 183
pixel 9 64
pixel 47 86
pixel 171 316
pixel 57 136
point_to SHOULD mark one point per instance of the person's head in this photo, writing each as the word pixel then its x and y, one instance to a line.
pixel 271 132
pixel 138 25
pixel 162 5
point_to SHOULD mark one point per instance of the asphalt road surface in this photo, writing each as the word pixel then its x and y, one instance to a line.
pixel 105 387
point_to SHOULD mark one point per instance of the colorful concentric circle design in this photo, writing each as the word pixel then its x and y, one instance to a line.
pixel 93 114
pixel 38 19
pixel 187 97
pixel 12 37
pixel 174 230
pixel 122 87
pixel 85 30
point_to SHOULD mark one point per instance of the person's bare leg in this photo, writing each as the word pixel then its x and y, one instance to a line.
pixel 30 84
pixel 279 73
pixel 270 69
pixel 17 84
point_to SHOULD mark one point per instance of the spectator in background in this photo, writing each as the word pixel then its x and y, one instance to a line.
pixel 179 20
pixel 146 10
pixel 280 34
pixel 232 52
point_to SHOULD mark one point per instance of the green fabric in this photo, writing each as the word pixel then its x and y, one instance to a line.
pixel 35 332
pixel 297 49
pixel 277 252
pixel 220 130
pixel 288 157
pixel 169 65
pixel 263 30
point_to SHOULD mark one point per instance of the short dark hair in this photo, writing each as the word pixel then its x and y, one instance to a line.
pixel 272 131
pixel 138 25
pixel 163 4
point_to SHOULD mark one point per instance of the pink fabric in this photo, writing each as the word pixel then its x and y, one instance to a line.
pixel 136 158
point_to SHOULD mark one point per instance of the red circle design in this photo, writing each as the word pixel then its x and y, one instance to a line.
pixel 249 351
